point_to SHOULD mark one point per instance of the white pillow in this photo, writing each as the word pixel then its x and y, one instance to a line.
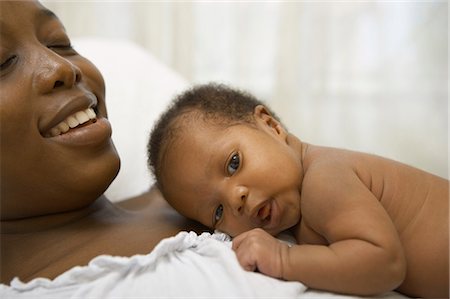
pixel 138 88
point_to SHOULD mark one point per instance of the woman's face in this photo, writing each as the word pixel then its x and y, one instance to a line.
pixel 55 145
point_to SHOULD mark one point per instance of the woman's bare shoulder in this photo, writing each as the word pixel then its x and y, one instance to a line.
pixel 131 227
pixel 148 199
pixel 152 210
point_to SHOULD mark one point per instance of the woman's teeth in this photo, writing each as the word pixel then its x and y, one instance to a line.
pixel 72 121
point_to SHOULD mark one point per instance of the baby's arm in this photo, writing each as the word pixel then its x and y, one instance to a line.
pixel 364 255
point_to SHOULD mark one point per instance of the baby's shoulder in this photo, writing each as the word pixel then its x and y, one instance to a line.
pixel 321 162
pixel 332 173
pixel 328 163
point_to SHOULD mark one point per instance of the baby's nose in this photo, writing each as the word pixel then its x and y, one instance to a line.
pixel 237 200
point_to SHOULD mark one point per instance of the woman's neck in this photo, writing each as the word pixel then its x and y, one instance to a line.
pixel 47 222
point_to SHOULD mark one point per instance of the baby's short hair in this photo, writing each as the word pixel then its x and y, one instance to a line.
pixel 218 103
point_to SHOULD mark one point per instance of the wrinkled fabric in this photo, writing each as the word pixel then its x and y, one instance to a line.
pixel 186 265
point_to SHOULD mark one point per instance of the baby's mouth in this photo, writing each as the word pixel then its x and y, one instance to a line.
pixel 77 120
pixel 264 212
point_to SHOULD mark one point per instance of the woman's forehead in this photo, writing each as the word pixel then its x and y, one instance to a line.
pixel 17 10
pixel 22 17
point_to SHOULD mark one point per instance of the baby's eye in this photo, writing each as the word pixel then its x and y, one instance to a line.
pixel 233 164
pixel 218 214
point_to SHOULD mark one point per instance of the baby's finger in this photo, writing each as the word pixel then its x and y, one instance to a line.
pixel 237 241
pixel 246 260
pixel 253 234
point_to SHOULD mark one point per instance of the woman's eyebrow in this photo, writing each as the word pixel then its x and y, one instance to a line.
pixel 47 13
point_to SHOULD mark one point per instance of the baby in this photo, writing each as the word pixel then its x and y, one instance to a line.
pixel 363 224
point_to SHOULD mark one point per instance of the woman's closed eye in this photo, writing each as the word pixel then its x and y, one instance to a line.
pixel 67 48
pixel 8 62
pixel 233 164
pixel 62 45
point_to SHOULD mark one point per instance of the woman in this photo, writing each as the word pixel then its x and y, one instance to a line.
pixel 57 157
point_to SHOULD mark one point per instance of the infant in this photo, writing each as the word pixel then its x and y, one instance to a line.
pixel 364 224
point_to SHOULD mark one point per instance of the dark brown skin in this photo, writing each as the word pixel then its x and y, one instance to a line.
pixel 364 224
pixel 131 227
pixel 53 213
pixel 413 201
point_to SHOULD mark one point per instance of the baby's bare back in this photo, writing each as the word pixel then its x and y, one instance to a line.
pixel 418 204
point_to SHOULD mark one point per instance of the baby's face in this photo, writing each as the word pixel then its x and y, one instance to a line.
pixel 234 179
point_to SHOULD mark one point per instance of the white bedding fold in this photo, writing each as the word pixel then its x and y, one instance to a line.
pixel 184 266
pixel 187 265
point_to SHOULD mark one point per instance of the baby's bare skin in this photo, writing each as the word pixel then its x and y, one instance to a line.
pixel 365 225
pixel 416 202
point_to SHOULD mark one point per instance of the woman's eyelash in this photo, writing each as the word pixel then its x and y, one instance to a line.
pixel 233 164
pixel 8 62
pixel 62 47
pixel 66 49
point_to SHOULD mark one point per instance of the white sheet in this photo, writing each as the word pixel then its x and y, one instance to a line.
pixel 184 266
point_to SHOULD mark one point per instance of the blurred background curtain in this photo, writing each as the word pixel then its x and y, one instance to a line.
pixel 362 75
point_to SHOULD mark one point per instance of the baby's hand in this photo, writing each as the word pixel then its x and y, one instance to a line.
pixel 258 250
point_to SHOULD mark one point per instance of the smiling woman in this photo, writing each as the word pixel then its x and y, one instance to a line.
pixel 57 157
pixel 45 83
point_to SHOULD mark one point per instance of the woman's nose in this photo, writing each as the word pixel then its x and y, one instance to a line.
pixel 237 198
pixel 55 72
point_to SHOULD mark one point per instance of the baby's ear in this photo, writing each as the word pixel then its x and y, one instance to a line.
pixel 265 118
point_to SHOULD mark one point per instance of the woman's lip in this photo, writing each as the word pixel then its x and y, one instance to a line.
pixel 75 104
pixel 94 133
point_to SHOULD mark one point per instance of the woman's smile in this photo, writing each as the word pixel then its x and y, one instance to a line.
pixel 74 121
pixel 96 131
pixel 77 122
